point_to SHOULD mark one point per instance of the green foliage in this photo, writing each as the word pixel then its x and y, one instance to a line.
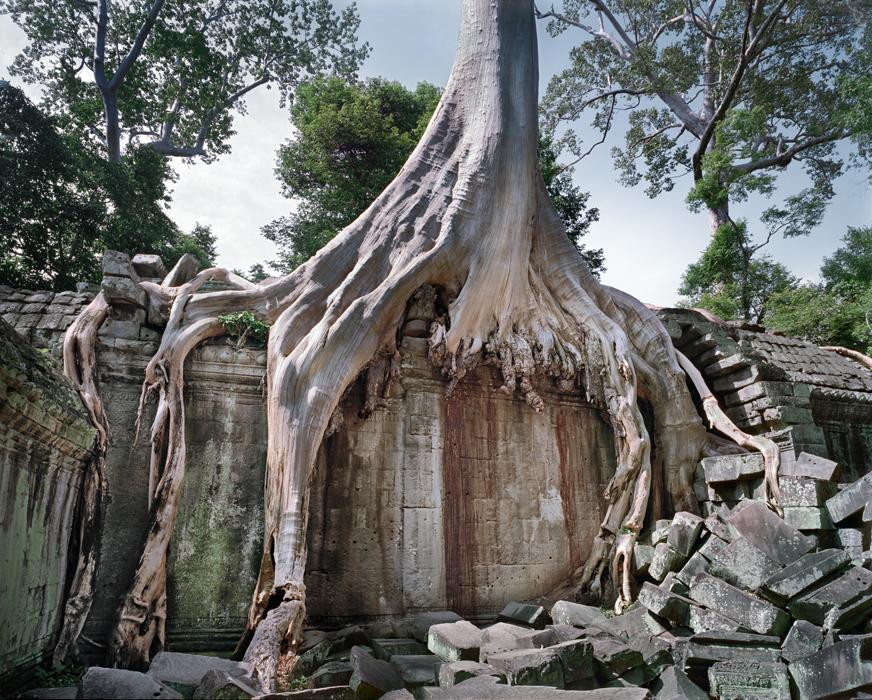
pixel 256 273
pixel 246 326
pixel 351 140
pixel 199 60
pixel 63 677
pixel 727 281
pixel 63 205
pixel 838 311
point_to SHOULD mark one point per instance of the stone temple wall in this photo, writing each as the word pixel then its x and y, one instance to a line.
pixel 45 442
pixel 460 502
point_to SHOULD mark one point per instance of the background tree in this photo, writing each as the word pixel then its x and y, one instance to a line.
pixel 171 75
pixel 63 205
pixel 351 140
pixel 725 91
pixel 838 310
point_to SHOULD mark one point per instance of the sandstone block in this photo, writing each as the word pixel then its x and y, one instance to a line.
pixel 524 614
pixel 189 669
pixel 220 684
pixel 613 656
pixel 803 639
pixel 530 666
pixel 665 559
pixel 741 564
pixel 704 620
pixel 101 683
pixel 804 491
pixel 735 604
pixel 684 532
pixel 418 669
pixel 669 606
pixel 384 649
pixel 673 684
pixel 725 468
pixel 565 613
pixel 331 674
pixel 841 668
pixel 695 565
pixel 499 638
pixel 808 518
pixel 372 678
pixel 736 679
pixel 810 466
pixel 803 573
pixel 850 500
pixel 769 533
pixel 422 622
pixel 450 674
pixel 149 266
pixel 123 290
pixel 455 641
pixel 814 606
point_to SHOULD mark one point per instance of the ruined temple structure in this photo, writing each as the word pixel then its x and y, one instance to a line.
pixel 465 502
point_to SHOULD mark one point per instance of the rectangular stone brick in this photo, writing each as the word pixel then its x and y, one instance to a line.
pixel 847 588
pixel 808 518
pixel 769 533
pixel 850 500
pixel 741 564
pixel 750 612
pixel 810 466
pixel 804 491
pixel 732 467
pixel 755 679
pixel 804 573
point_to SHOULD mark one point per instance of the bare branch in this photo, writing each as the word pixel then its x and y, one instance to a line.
pixel 100 45
pixel 138 43
pixel 785 157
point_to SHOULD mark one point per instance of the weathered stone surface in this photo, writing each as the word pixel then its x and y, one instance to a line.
pixel 769 533
pixel 576 660
pixel 372 678
pixel 712 546
pixel 814 606
pixel 332 673
pixel 803 491
pixel 401 694
pixel 735 604
pixel 217 684
pixel 384 649
pixel 418 669
pixel 117 264
pixel 450 674
pixel 189 669
pixel 65 693
pixel 732 467
pixel 737 680
pixel 337 693
pixel 455 641
pixel 499 638
pixel 803 639
pixel 530 666
pixel 810 466
pixel 741 564
pixel 684 532
pixel 116 683
pixel 525 614
pixel 538 639
pixel 665 559
pixel 808 518
pixel 851 500
pixel 703 650
pixel 565 613
pixel 643 554
pixel 613 656
pixel 804 572
pixel 697 564
pixel 487 688
pixel 149 266
pixel 705 620
pixel 566 633
pixel 422 622
pixel 669 606
pixel 841 668
pixel 673 684
pixel 123 290
pixel 660 531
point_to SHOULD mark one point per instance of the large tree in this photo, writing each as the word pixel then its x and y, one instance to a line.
pixel 62 205
pixel 730 92
pixel 469 215
pixel 171 75
pixel 351 139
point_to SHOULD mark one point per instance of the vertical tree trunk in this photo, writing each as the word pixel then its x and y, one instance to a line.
pixel 113 126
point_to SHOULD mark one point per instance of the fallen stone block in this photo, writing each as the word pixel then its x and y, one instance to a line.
pixel 123 290
pixel 332 673
pixel 665 560
pixel 538 639
pixel 189 669
pixel 840 668
pixel 64 693
pixel 669 606
pixel 613 656
pixel 735 680
pixel 704 650
pixel 422 622
pixel 347 637
pixel 566 633
pixel 697 564
pixel 102 683
pixel 530 666
pixel 741 564
pixel 576 660
pixel 660 531
pixel 684 532
pixel 117 264
pixel 803 639
pixel 796 491
pixel 402 694
pixel 850 616
pixel 732 467
pixel 643 554
pixel 850 500
pixel 729 491
pixel 674 684
pixel 811 467
pixel 418 669
pixel 718 528
pixel 337 693
pixel 384 649
pixel 450 674
pixel 804 573
pixel 656 653
pixel 712 546
pixel 372 678
pixel 217 683
pixel 455 641
pixel 704 620
pixel 499 638
pixel 633 622
pixel 808 518
pixel 149 266
pixel 848 539
pixel 565 613
pixel 814 606
pixel 769 533
pixel 486 688
pixel 750 612
pixel 534 616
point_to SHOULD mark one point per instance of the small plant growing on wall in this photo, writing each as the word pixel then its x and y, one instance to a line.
pixel 245 325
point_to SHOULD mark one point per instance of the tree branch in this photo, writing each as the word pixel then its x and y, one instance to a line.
pixel 784 158
pixel 138 43
pixel 100 45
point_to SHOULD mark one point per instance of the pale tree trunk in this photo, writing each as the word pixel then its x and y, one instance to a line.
pixel 468 215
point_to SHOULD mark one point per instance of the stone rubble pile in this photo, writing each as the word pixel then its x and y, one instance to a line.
pixel 736 604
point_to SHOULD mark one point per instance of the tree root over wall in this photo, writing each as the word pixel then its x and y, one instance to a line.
pixel 468 215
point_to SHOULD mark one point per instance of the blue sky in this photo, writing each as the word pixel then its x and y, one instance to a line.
pixel 648 243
